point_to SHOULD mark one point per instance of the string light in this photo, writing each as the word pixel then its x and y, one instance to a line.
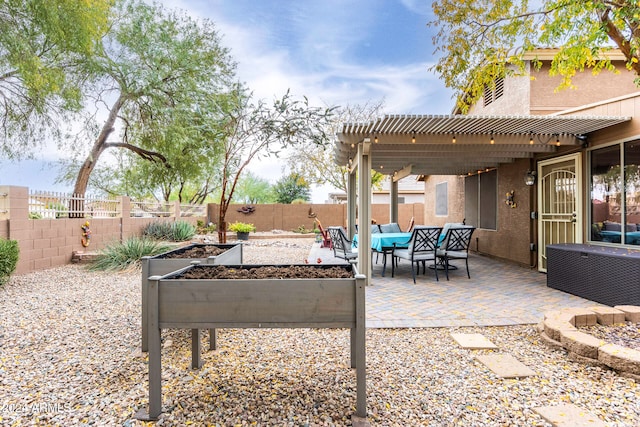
pixel 492 141
pixel 557 140
pixel 453 140
pixel 375 139
pixel 413 137
pixel 531 141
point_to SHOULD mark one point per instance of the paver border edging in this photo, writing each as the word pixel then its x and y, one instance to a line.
pixel 559 330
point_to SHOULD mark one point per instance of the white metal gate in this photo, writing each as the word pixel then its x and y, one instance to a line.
pixel 560 204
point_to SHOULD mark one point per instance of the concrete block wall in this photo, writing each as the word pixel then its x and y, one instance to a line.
pixel 290 217
pixel 46 243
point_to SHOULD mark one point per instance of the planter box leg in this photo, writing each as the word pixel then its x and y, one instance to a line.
pixel 196 362
pixel 213 339
pixel 361 348
pixel 155 353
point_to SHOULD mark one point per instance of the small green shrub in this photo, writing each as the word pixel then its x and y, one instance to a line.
pixel 178 231
pixel 35 215
pixel 9 253
pixel 205 229
pixel 182 230
pixel 158 230
pixel 303 230
pixel 126 255
pixel 241 227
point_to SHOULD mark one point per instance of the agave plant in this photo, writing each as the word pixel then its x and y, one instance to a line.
pixel 182 230
pixel 126 255
pixel 178 231
pixel 159 230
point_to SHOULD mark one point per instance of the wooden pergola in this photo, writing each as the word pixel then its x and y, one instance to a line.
pixel 403 145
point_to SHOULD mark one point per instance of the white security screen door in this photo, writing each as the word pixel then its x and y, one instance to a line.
pixel 560 204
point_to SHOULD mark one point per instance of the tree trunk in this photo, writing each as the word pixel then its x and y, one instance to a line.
pixel 82 181
pixel 222 224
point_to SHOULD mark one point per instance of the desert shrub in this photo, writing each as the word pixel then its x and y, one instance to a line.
pixel 182 230
pixel 158 230
pixel 173 231
pixel 122 256
pixel 9 253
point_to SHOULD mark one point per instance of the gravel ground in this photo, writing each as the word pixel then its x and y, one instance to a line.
pixel 70 355
pixel 626 334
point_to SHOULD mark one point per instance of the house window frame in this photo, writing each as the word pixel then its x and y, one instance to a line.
pixel 480 193
pixel 442 199
pixel 622 146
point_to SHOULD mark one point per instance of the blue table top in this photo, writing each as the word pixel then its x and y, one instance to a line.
pixel 631 237
pixel 385 240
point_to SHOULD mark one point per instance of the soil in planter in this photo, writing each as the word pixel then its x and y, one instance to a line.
pixel 266 272
pixel 197 252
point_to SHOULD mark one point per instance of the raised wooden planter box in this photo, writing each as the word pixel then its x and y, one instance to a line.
pixel 195 304
pixel 161 264
pixel 603 274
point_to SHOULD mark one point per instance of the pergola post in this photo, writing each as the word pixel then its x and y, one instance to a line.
pixel 364 209
pixel 393 201
pixel 351 203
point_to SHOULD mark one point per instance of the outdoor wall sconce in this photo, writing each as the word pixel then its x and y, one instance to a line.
pixel 510 201
pixel 453 139
pixel 413 137
pixel 492 140
pixel 530 178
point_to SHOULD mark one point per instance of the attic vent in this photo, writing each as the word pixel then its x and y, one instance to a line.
pixel 490 95
pixel 499 91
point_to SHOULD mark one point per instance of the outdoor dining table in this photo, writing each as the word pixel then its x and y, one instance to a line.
pixel 383 243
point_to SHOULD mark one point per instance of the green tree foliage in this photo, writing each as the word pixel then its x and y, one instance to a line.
pixel 42 44
pixel 292 187
pixel 253 189
pixel 316 163
pixel 479 41
pixel 9 253
pixel 161 76
pixel 256 129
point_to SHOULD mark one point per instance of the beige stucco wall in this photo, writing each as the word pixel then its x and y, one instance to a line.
pixel 588 89
pixel 538 93
pixel 515 101
pixel 455 199
pixel 510 241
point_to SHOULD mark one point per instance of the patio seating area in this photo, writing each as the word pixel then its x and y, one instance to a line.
pixel 497 294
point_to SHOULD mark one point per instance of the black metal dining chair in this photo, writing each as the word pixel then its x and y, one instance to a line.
pixel 421 248
pixel 342 245
pixel 455 246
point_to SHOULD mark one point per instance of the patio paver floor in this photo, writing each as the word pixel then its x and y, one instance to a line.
pixel 498 294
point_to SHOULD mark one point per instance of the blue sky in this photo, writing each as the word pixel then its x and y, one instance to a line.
pixel 334 52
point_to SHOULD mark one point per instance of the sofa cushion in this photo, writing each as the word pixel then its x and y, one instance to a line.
pixel 612 226
pixel 390 228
